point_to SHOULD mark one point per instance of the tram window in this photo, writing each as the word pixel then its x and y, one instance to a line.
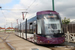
pixel 18 28
pixel 53 26
pixel 27 28
pixel 24 28
pixel 34 27
pixel 31 28
pixel 38 26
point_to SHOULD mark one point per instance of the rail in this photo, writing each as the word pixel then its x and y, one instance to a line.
pixel 3 38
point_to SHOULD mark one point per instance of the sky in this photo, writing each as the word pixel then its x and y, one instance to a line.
pixel 12 9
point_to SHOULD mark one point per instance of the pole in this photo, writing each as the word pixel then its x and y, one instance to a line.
pixel 53 5
pixel 20 29
pixel 25 24
pixel 5 28
pixel 11 27
pixel 11 24
pixel 26 29
pixel 23 14
pixel 17 21
pixel 26 13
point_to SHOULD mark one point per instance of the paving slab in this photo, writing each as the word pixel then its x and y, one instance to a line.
pixel 3 45
pixel 21 44
pixel 69 44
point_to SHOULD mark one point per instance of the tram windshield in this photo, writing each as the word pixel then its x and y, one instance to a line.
pixel 52 24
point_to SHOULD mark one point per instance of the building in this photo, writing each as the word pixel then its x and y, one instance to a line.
pixel 10 28
pixel 72 21
pixel 2 29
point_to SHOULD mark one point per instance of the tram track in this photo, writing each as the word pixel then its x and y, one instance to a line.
pixel 3 41
pixel 52 47
pixel 59 47
pixel 62 48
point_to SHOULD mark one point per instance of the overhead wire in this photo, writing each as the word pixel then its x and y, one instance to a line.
pixel 9 9
pixel 13 9
pixel 4 16
pixel 17 9
pixel 21 9
pixel 30 5
pixel 3 13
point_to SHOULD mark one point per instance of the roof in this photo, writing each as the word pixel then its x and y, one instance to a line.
pixel 32 19
pixel 2 28
pixel 72 22
pixel 10 28
pixel 46 12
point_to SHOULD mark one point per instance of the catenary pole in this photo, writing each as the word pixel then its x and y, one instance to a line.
pixel 53 5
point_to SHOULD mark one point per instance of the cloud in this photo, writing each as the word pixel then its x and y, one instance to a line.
pixel 2 21
pixel 66 8
pixel 63 7
pixel 5 1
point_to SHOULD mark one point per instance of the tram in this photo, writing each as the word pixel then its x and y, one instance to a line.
pixel 44 28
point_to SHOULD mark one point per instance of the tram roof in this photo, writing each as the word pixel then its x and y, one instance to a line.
pixel 32 19
pixel 46 12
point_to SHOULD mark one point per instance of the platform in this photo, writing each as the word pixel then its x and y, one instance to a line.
pixel 21 44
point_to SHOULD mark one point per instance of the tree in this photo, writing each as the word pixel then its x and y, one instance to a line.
pixel 66 21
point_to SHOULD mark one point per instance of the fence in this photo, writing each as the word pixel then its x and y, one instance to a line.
pixel 70 28
pixel 70 37
pixel 69 31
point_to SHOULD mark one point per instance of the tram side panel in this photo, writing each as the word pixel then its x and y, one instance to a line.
pixel 31 31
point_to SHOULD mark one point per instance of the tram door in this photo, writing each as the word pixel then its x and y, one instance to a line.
pixel 34 30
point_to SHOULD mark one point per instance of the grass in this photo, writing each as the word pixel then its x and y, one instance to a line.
pixel 7 30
